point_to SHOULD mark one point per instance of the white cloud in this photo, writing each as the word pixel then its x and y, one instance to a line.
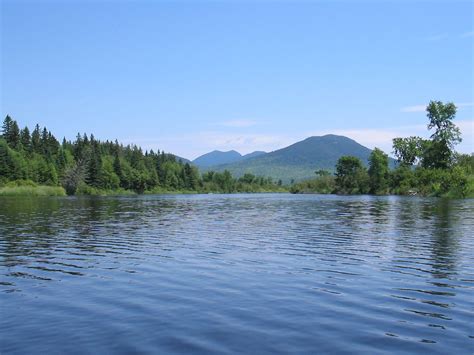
pixel 238 123
pixel 382 138
pixel 422 108
pixel 416 108
pixel 192 145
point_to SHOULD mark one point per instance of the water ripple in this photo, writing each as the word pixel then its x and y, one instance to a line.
pixel 236 273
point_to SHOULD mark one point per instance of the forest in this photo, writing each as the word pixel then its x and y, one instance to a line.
pixel 36 163
pixel 426 167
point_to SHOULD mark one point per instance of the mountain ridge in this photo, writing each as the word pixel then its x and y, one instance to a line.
pixel 299 160
pixel 218 157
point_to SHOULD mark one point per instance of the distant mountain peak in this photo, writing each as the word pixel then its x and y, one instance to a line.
pixel 217 157
pixel 297 161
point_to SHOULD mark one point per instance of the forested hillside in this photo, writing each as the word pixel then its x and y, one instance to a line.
pixel 90 166
pixel 299 160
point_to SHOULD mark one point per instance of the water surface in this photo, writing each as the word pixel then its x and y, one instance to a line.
pixel 236 273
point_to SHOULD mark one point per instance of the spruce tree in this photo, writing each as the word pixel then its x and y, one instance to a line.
pixel 7 122
pixel 36 140
pixel 25 139
pixel 13 136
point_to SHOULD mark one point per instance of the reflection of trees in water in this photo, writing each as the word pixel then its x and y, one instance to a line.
pixel 33 229
pixel 428 229
pixel 444 237
pixel 23 228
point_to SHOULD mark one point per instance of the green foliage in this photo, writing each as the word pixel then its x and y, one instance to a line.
pixel 351 176
pixel 402 181
pixel 88 166
pixel 321 185
pixel 300 160
pixel 30 188
pixel 378 172
pixel 408 150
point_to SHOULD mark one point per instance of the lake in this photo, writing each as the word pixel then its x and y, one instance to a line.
pixel 263 273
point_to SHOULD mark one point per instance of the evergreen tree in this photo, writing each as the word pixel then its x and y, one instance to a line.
pixel 94 168
pixel 25 139
pixel 36 140
pixel 117 165
pixel 13 136
pixel 6 126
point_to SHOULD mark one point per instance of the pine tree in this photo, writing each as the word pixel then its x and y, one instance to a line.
pixel 117 166
pixel 7 122
pixel 13 136
pixel 94 167
pixel 36 140
pixel 25 139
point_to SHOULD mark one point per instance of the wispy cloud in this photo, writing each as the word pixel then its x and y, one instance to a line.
pixel 238 123
pixel 437 37
pixel 422 108
pixel 416 108
pixel 445 36
pixel 382 138
pixel 467 34
pixel 193 144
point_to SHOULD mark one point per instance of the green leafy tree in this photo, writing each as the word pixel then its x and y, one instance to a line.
pixel 378 172
pixel 322 172
pixel 408 150
pixel 247 178
pixel 351 176
pixel 5 161
pixel 73 177
pixel 446 135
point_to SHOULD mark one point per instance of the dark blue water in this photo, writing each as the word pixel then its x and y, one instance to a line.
pixel 236 274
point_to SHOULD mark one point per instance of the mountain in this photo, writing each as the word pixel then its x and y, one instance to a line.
pixel 184 160
pixel 254 154
pixel 299 160
pixel 218 157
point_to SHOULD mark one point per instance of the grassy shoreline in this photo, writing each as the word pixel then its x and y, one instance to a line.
pixel 56 191
pixel 32 191
pixel 17 189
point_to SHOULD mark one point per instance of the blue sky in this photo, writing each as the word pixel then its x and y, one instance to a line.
pixel 190 77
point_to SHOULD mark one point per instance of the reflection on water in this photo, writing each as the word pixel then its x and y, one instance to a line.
pixel 236 273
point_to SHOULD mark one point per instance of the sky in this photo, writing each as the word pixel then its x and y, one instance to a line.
pixel 189 77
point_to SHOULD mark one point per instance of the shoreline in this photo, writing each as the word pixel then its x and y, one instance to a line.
pixel 57 191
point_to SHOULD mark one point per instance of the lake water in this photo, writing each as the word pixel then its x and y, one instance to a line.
pixel 236 273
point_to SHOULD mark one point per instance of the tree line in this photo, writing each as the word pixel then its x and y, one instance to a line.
pixel 90 166
pixel 429 167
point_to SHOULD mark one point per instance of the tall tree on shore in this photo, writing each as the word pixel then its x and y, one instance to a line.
pixel 446 135
pixel 25 139
pixel 6 126
pixel 351 176
pixel 36 140
pixel 378 172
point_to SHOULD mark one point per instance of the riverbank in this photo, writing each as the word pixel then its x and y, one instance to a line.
pixel 29 188
pixel 32 191
pixel 441 188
